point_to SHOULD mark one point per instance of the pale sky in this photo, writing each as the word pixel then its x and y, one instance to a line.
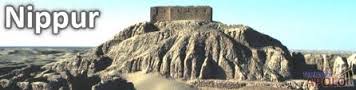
pixel 298 24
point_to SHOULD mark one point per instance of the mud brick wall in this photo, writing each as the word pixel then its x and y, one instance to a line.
pixel 172 13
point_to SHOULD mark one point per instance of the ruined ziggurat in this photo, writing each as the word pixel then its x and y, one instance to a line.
pixel 173 13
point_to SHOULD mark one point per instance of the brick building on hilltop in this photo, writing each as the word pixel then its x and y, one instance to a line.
pixel 172 13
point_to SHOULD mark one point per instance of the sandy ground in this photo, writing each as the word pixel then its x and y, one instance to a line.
pixel 154 81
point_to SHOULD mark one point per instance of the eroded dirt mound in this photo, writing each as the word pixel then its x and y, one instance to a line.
pixel 184 50
pixel 205 50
